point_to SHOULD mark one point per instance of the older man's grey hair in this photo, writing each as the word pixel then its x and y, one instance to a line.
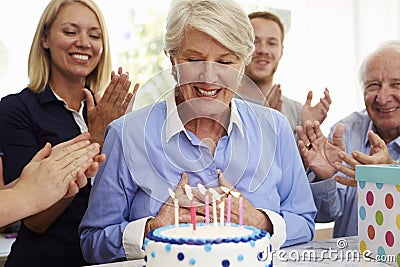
pixel 393 45
pixel 223 20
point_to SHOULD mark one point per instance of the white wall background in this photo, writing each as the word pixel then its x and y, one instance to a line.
pixel 325 45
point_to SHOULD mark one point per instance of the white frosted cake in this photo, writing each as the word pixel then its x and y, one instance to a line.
pixel 208 245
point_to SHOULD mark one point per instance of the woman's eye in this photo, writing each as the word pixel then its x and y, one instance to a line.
pixel 69 32
pixel 228 62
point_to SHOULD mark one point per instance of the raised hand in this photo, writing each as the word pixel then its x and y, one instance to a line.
pixel 317 112
pixel 113 104
pixel 318 152
pixel 273 99
pixel 378 154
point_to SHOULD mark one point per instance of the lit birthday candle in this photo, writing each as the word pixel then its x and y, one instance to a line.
pixel 203 191
pixel 189 194
pixel 229 211
pixel 176 207
pixel 215 197
pixel 221 207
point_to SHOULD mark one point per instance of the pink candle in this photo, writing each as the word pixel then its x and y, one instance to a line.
pixel 189 194
pixel 207 200
pixel 241 211
pixel 228 212
pixel 192 214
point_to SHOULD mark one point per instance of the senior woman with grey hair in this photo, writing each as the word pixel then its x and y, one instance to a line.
pixel 199 134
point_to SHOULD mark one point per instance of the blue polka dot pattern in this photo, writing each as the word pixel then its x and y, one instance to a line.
pixel 153 254
pixel 145 258
pixel 168 247
pixel 207 247
pixel 252 243
pixel 181 256
pixel 381 251
pixel 363 213
pixel 226 263
pixel 192 261
pixel 240 257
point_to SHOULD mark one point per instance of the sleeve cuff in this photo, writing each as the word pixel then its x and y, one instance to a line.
pixel 132 239
pixel 279 226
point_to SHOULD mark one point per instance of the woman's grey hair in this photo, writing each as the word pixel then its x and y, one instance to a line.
pixel 223 20
pixel 388 45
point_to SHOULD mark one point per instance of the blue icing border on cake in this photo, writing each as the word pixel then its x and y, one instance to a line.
pixel 158 237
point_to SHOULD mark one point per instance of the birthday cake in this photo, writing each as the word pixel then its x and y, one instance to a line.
pixel 209 245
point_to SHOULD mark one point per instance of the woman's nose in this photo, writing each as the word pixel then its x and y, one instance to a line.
pixel 83 41
pixel 209 72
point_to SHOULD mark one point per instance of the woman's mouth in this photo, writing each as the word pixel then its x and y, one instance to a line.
pixel 207 93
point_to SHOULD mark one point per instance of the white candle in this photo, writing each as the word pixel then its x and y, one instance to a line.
pixel 221 207
pixel 214 206
pixel 203 191
pixel 215 197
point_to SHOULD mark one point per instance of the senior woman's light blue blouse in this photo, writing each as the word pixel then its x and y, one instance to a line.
pixel 147 151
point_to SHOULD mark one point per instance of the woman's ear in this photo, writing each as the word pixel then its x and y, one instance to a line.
pixel 44 42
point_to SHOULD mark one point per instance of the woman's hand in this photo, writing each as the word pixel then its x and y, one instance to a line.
pixel 115 102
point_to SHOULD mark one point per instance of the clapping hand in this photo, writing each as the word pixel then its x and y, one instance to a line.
pixel 113 104
pixel 318 152
pixel 317 112
pixel 378 154
pixel 273 99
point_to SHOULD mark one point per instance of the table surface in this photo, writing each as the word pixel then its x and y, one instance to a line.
pixel 340 252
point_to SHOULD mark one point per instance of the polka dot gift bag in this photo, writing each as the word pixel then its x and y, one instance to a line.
pixel 379 212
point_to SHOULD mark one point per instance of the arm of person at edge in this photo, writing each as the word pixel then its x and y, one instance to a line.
pixel 317 112
pixel 41 221
pixel 114 103
pixel 46 178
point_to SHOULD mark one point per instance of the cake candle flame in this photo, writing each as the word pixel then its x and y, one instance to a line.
pixel 202 189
